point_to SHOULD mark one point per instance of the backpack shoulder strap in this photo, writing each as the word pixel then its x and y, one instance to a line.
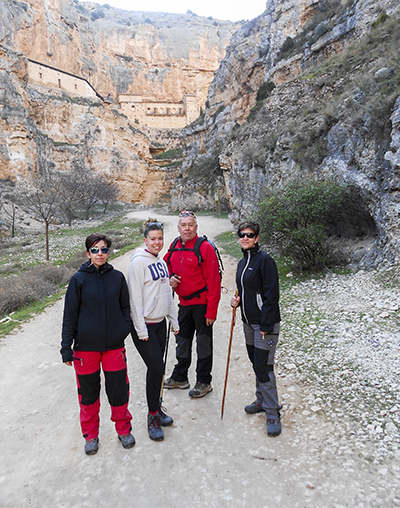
pixel 196 247
pixel 172 249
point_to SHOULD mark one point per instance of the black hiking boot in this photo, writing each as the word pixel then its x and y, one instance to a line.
pixel 154 427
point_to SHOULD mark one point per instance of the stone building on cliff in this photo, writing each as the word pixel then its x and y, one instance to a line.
pixel 159 115
pixel 55 79
pixel 143 111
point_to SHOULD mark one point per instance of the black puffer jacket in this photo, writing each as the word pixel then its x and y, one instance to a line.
pixel 96 311
pixel 258 284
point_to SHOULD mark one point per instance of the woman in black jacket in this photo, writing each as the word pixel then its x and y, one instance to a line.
pixel 95 324
pixel 258 286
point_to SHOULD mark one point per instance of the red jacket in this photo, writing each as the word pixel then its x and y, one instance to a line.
pixel 195 277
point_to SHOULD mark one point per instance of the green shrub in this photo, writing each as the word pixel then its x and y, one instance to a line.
pixel 175 153
pixel 298 219
pixel 97 14
pixel 381 20
pixel 265 90
pixel 254 111
pixel 286 48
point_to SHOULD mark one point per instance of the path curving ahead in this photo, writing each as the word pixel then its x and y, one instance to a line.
pixel 202 462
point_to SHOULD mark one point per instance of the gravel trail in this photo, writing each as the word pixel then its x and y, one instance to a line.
pixel 338 371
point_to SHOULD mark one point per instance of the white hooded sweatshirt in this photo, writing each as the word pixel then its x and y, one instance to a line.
pixel 150 294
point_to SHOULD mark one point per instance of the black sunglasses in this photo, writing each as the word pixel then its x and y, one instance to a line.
pixel 95 250
pixel 249 235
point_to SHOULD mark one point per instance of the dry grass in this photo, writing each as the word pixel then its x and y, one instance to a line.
pixel 34 285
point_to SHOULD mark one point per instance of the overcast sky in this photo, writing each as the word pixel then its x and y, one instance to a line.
pixel 233 10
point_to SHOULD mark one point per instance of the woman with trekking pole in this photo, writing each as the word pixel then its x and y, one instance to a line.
pixel 258 285
pixel 151 302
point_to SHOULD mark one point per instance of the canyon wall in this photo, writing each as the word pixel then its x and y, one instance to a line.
pixel 58 119
pixel 158 55
pixel 328 110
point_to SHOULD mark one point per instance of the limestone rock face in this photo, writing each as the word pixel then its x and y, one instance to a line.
pixel 156 55
pixel 38 131
pixel 242 155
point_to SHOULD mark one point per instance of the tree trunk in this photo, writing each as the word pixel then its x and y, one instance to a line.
pixel 13 221
pixel 47 242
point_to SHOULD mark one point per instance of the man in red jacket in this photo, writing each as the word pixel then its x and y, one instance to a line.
pixel 197 282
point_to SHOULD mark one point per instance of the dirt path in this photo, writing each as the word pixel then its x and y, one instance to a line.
pixel 203 461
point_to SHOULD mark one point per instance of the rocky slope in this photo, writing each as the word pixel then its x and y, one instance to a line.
pixel 162 56
pixel 330 111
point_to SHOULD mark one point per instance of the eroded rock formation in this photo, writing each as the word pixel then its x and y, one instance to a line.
pixel 159 56
pixel 330 112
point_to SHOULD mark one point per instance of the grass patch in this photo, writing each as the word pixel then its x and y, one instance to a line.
pixel 170 154
pixel 32 284
pixel 17 318
pixel 228 242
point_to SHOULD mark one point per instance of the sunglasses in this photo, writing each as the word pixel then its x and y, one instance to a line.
pixel 186 213
pixel 249 235
pixel 95 250
pixel 152 224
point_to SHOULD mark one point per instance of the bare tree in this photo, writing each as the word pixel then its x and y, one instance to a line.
pixel 108 192
pixel 89 189
pixel 70 194
pixel 39 193
pixel 7 202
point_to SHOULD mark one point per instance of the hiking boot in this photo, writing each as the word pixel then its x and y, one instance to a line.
pixel 273 427
pixel 154 427
pixel 200 390
pixel 92 446
pixel 172 383
pixel 254 408
pixel 165 420
pixel 127 440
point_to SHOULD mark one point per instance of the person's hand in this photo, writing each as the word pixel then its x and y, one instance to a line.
pixel 235 301
pixel 145 339
pixel 210 322
pixel 175 332
pixel 174 281
pixel 68 363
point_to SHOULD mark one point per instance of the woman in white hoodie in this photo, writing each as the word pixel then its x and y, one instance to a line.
pixel 151 302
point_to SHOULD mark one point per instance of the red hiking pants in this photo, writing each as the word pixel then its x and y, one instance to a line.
pixel 87 366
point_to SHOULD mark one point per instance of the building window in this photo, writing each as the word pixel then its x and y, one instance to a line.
pixel 40 75
pixel 76 86
pixel 59 83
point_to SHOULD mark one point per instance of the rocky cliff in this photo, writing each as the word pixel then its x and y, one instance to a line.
pixel 161 56
pixel 307 89
pixel 39 131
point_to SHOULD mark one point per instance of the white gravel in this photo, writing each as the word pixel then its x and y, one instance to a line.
pixel 341 346
pixel 338 379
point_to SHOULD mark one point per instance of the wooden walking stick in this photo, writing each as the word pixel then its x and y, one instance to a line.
pixel 229 356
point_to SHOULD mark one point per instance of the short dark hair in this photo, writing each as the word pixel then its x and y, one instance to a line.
pixel 153 226
pixel 254 226
pixel 96 237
